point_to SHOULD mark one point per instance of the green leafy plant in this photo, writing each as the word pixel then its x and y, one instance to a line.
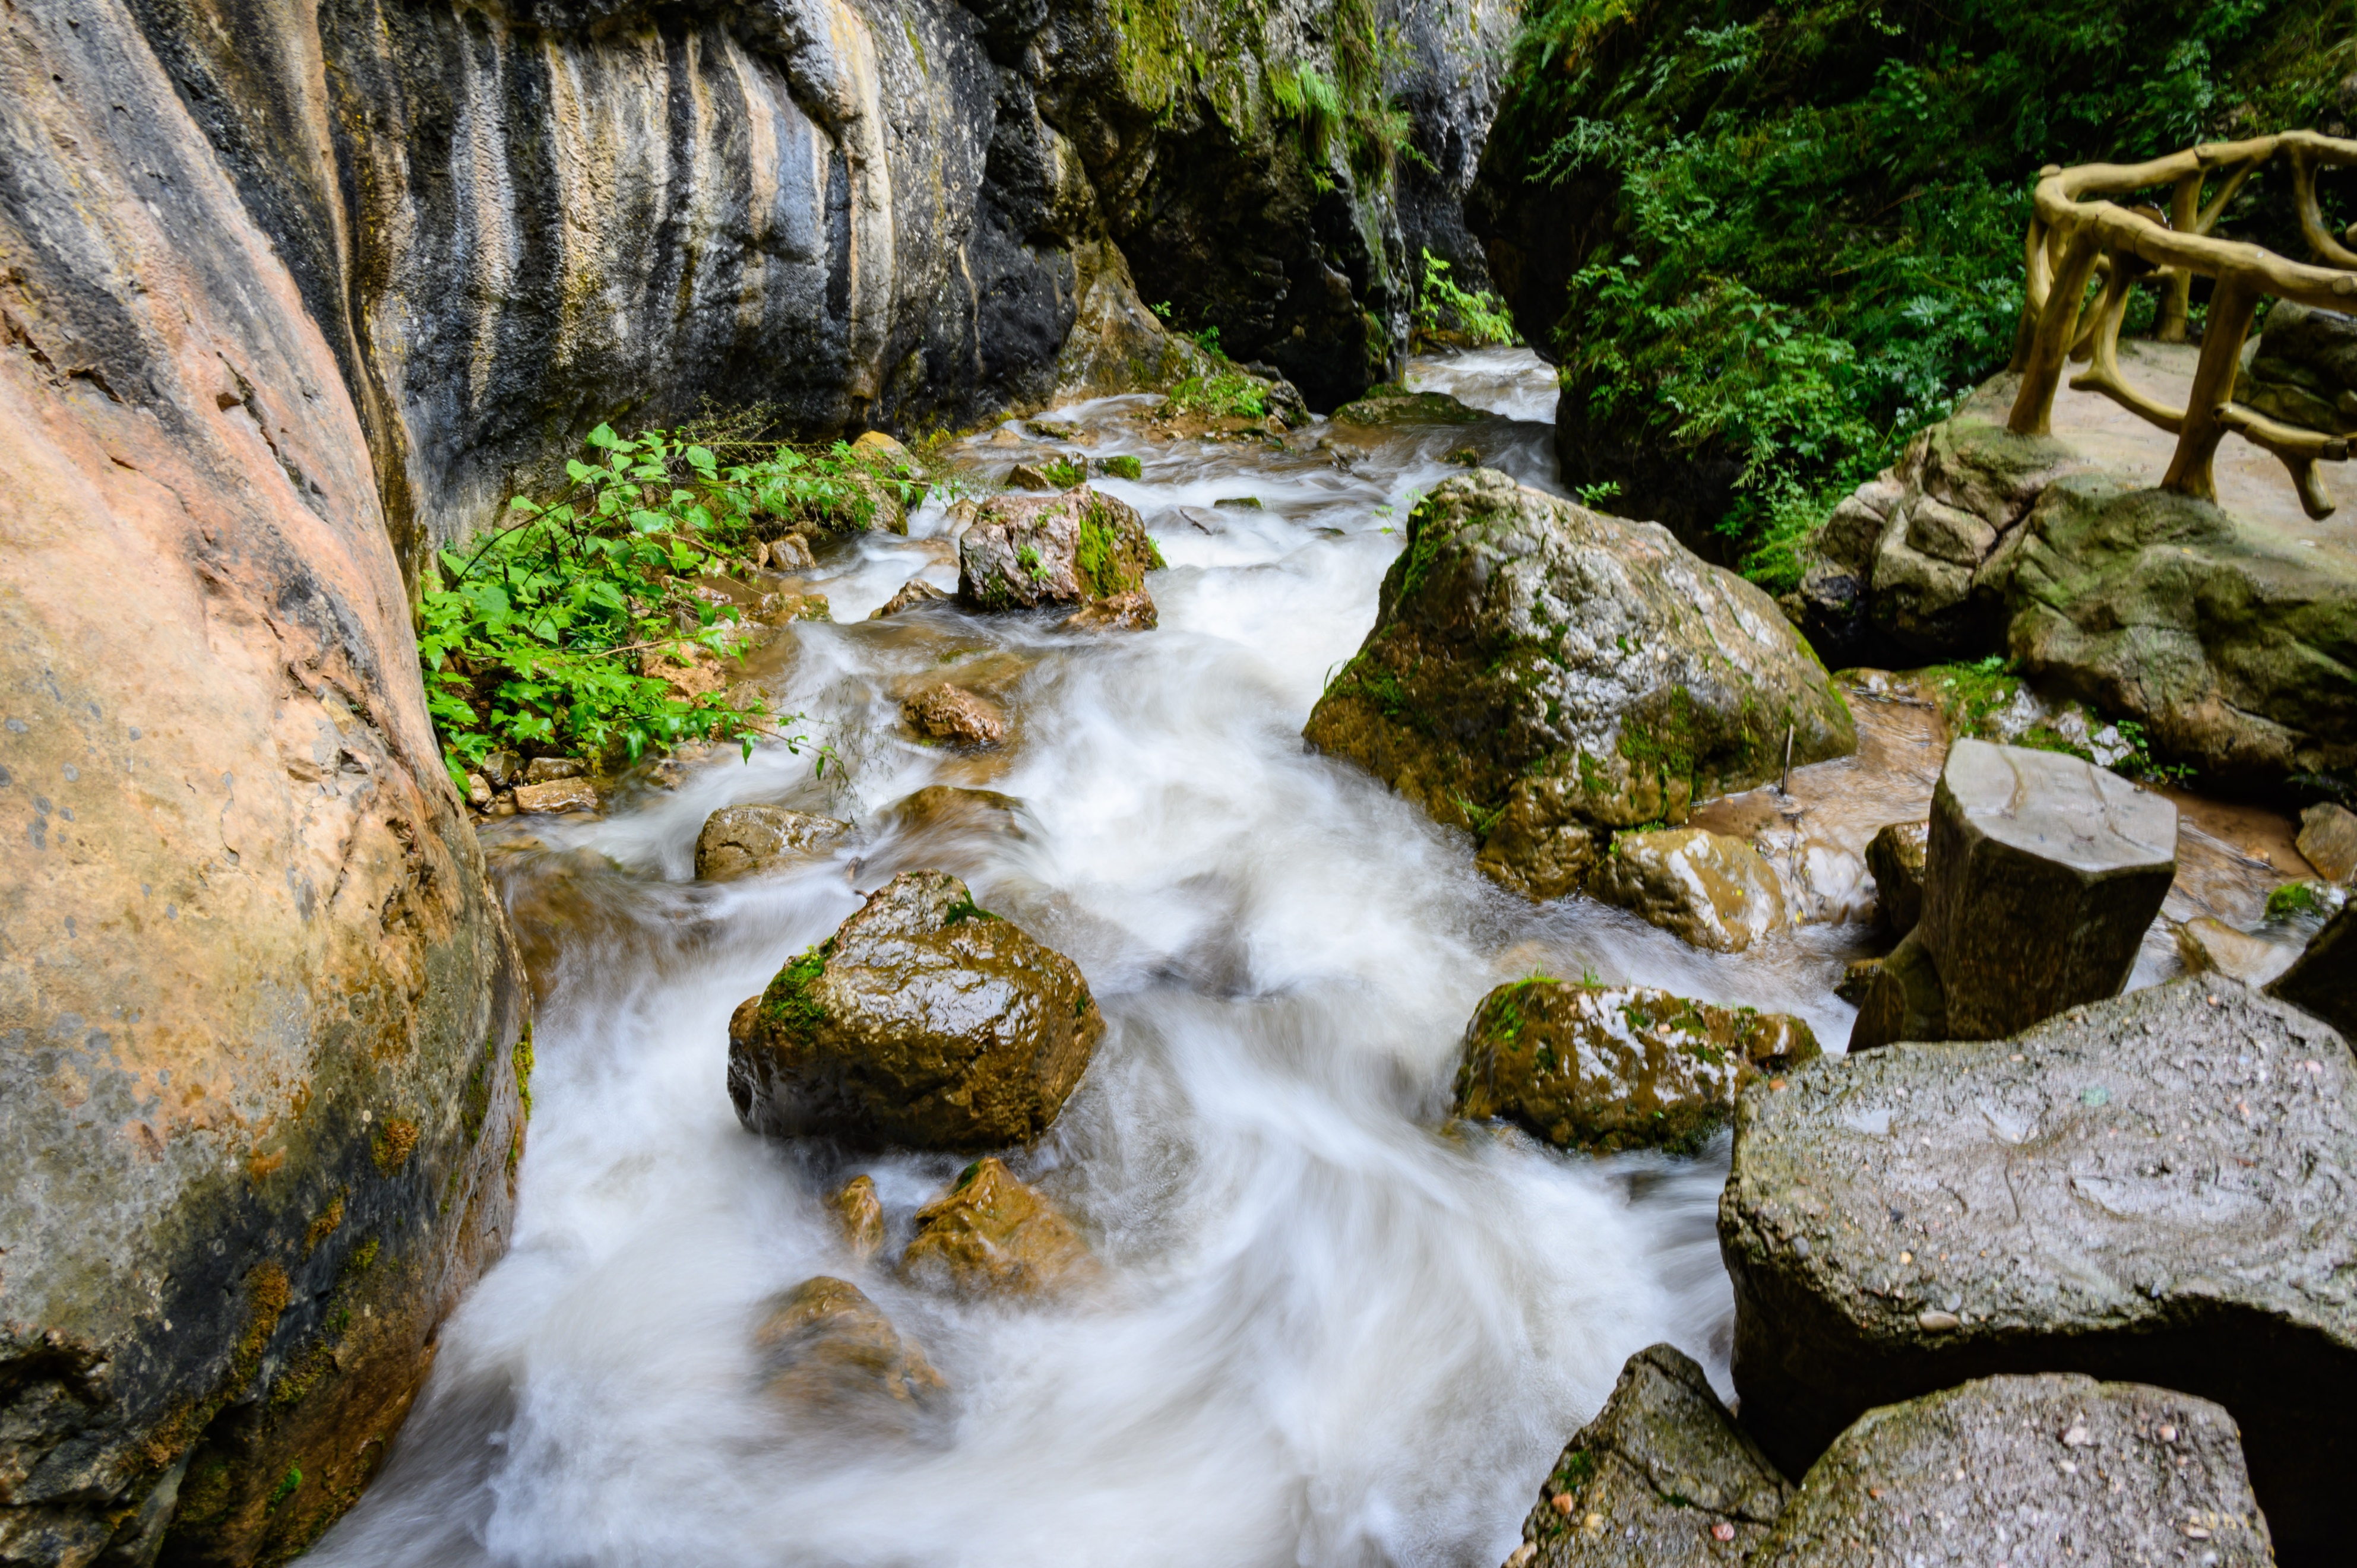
pixel 549 634
pixel 1597 494
pixel 1064 472
pixel 1226 394
pixel 1442 306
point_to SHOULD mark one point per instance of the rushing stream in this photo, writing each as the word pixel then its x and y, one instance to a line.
pixel 1336 1331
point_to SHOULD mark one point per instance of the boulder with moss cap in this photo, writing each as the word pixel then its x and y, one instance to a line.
pixel 1539 671
pixel 1617 1066
pixel 924 1022
pixel 1023 551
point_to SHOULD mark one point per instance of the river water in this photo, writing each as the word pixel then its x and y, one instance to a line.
pixel 1337 1331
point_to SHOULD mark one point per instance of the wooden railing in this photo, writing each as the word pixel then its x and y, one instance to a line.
pixel 2077 236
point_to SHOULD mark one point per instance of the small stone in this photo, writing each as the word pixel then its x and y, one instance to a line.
pixel 2077 1437
pixel 914 592
pixel 1722 1530
pixel 1521 1556
pixel 955 716
pixel 1245 503
pixel 993 1233
pixel 860 1213
pixel 2207 945
pixel 826 1347
pixel 1563 1503
pixel 556 795
pixel 1003 436
pixel 2328 841
pixel 789 553
pixel 479 793
pixel 541 769
pixel 1132 611
pixel 504 769
pixel 1936 1321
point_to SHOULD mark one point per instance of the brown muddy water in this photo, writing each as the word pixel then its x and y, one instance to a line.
pixel 1337 1333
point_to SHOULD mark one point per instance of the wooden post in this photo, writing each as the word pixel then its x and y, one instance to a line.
pixel 2058 329
pixel 2232 304
pixel 2184 216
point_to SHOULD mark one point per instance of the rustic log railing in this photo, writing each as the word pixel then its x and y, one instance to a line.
pixel 2077 236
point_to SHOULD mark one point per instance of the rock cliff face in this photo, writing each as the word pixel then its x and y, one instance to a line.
pixel 512 222
pixel 259 1017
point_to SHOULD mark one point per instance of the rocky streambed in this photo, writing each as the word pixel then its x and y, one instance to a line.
pixel 1302 1268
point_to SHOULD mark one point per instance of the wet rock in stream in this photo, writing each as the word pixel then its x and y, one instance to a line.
pixel 2207 945
pixel 955 716
pixel 2156 1188
pixel 916 591
pixel 992 1234
pixel 1708 889
pixel 827 1348
pixel 1895 856
pixel 1606 1066
pixel 2323 979
pixel 924 1022
pixel 2042 874
pixel 1023 552
pixel 860 1214
pixel 2328 839
pixel 1540 673
pixel 740 841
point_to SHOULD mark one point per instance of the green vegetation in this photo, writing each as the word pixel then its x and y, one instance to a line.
pixel 2294 899
pixel 1064 472
pixel 1121 468
pixel 549 635
pixel 1981 699
pixel 1224 394
pixel 786 1005
pixel 1801 221
pixel 1479 318
pixel 1097 555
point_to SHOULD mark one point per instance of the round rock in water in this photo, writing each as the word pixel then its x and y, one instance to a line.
pixel 825 1347
pixel 924 1022
pixel 991 1232
pixel 2024 1470
pixel 2161 1188
pixel 1661 1479
pixel 2043 873
pixel 738 840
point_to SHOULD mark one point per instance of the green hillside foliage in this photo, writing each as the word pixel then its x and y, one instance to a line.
pixel 1809 238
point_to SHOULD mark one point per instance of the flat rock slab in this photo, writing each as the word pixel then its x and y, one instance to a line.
pixel 2156 1189
pixel 2027 1470
pixel 1661 1479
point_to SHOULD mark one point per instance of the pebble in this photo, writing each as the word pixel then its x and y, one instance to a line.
pixel 1936 1322
pixel 1722 1530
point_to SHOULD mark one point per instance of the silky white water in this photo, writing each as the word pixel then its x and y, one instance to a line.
pixel 1338 1332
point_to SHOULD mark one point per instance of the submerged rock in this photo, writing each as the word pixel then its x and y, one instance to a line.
pixel 1895 856
pixel 823 1346
pixel 1661 1479
pixel 2152 1188
pixel 1712 890
pixel 1536 667
pixel 2041 874
pixel 943 827
pixel 860 1213
pixel 738 840
pixel 955 716
pixel 1604 1067
pixel 924 1022
pixel 2040 1469
pixel 991 1233
pixel 1023 551
pixel 916 591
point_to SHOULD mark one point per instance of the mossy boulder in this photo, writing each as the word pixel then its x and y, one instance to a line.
pixel 1617 1066
pixel 1395 405
pixel 1027 551
pixel 2234 646
pixel 924 1022
pixel 1538 672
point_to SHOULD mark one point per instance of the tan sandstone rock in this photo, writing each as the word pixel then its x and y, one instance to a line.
pixel 738 840
pixel 991 1233
pixel 860 1212
pixel 1710 889
pixel 824 1346
pixel 955 716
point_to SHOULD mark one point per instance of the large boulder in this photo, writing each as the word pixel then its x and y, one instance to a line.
pixel 1023 552
pixel 2154 1188
pixel 2323 979
pixel 1539 671
pixel 2302 369
pixel 924 1022
pixel 2042 874
pixel 2235 647
pixel 260 1017
pixel 2053 1468
pixel 1617 1066
pixel 1711 889
pixel 992 1234
pixel 1661 1479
